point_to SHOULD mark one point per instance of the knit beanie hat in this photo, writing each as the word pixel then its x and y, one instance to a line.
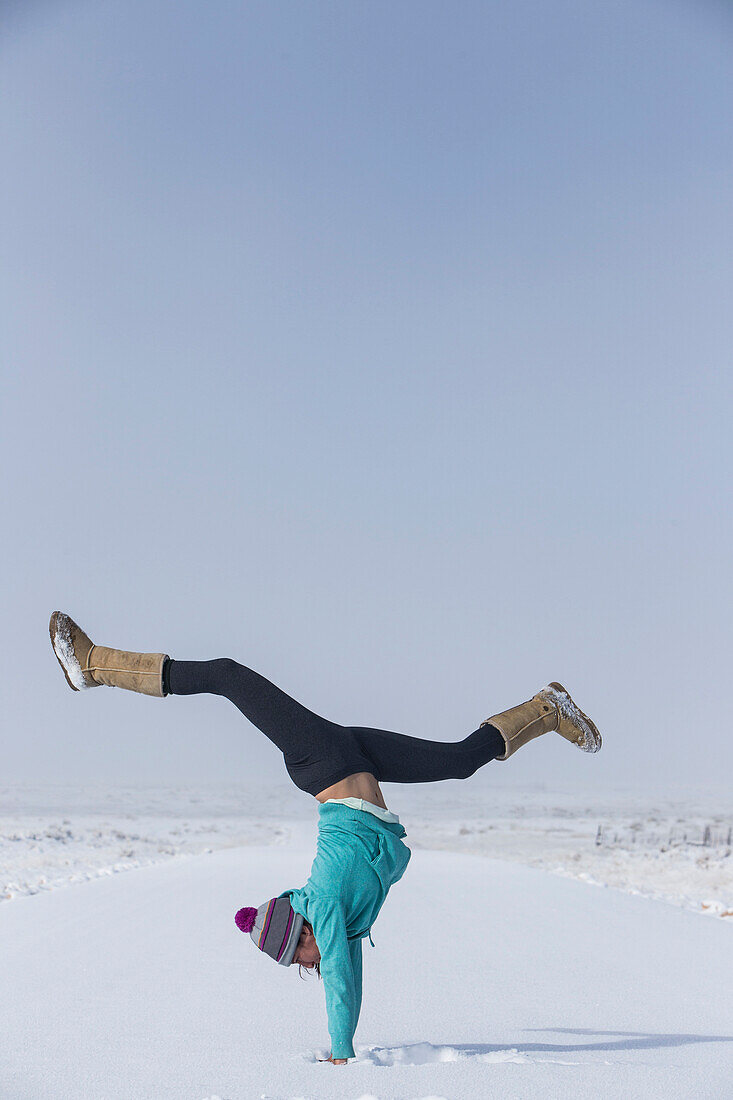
pixel 274 927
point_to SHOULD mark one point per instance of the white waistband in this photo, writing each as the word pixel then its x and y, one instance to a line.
pixel 369 807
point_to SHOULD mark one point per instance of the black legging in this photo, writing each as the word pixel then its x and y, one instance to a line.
pixel 319 753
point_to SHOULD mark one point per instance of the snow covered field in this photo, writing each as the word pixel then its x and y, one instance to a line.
pixel 670 847
pixel 139 987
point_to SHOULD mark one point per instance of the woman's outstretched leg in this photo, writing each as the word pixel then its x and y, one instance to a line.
pixel 317 752
pixel 287 723
pixel 399 758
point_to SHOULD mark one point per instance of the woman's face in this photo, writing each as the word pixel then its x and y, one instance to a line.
pixel 306 953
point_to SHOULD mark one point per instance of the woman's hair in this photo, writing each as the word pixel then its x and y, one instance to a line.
pixel 316 966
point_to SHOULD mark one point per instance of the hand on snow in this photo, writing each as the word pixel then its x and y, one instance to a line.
pixel 336 1061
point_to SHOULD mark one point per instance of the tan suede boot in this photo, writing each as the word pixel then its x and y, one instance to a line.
pixel 86 665
pixel 551 710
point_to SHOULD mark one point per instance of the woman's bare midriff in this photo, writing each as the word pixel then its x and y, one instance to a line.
pixel 359 785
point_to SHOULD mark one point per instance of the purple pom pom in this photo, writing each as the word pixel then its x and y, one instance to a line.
pixel 245 919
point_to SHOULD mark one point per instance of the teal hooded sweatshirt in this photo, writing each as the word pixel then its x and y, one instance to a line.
pixel 358 858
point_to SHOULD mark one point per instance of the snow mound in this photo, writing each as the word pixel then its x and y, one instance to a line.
pixel 419 1054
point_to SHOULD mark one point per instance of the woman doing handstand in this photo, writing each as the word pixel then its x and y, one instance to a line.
pixel 360 852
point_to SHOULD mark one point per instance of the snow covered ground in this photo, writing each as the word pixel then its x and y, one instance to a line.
pixel 675 848
pixel 511 980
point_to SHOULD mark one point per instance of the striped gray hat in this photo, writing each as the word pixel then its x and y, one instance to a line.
pixel 274 927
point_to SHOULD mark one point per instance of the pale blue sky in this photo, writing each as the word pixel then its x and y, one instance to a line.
pixel 385 347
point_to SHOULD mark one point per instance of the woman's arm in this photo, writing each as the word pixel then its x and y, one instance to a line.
pixel 355 953
pixel 327 918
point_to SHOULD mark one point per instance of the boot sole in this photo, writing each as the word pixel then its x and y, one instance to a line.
pixel 592 739
pixel 54 630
